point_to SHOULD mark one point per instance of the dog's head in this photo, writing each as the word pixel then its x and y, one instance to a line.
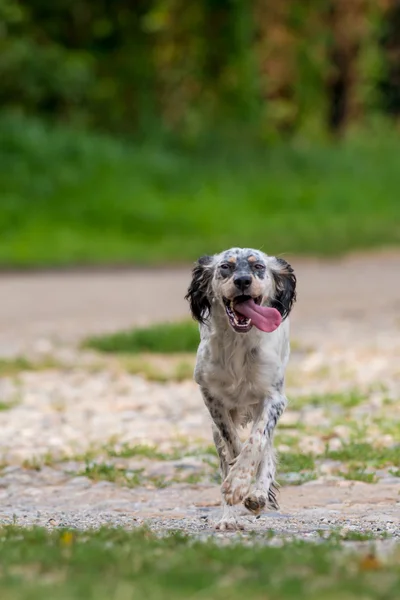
pixel 250 286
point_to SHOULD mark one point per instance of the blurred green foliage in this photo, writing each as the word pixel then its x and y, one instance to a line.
pixel 156 130
pixel 164 338
pixel 188 67
pixel 74 197
pixel 134 563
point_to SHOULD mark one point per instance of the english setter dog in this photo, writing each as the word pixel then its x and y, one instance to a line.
pixel 242 298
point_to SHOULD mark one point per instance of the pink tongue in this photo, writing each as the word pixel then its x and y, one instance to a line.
pixel 263 317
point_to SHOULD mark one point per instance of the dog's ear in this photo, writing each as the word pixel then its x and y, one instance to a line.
pixel 199 289
pixel 285 287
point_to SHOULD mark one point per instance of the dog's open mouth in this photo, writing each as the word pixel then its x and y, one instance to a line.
pixel 244 311
pixel 238 321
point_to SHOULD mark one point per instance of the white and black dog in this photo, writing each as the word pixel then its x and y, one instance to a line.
pixel 242 298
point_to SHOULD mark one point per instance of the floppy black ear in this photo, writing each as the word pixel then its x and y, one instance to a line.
pixel 285 287
pixel 198 292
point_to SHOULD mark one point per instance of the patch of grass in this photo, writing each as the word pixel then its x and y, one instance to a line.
pixel 354 473
pixel 9 404
pixel 36 463
pixel 103 471
pixel 113 450
pixel 350 535
pixel 159 370
pixel 282 439
pixel 161 481
pixel 184 370
pixel 298 427
pixel 366 454
pixel 357 536
pixel 345 400
pixel 298 346
pixel 389 424
pixel 112 563
pixel 394 472
pixel 70 197
pixel 296 468
pixel 295 462
pixel 13 366
pixel 98 471
pixel 126 450
pixel 202 450
pixel 191 478
pixel 162 338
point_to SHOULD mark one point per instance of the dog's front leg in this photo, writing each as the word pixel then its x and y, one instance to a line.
pixel 257 449
pixel 228 446
pixel 223 421
pixel 229 520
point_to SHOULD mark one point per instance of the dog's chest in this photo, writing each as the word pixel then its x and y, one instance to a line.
pixel 240 373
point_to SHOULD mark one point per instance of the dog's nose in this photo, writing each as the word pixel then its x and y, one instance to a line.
pixel 242 282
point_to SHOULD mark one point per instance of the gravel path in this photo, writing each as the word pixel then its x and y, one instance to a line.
pixel 345 327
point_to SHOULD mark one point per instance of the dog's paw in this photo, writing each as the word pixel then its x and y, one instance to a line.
pixel 260 498
pixel 229 524
pixel 255 502
pixel 236 485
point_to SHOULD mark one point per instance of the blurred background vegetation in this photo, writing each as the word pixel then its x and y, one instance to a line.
pixel 155 130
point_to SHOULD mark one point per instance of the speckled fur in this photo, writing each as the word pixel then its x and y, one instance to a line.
pixel 241 375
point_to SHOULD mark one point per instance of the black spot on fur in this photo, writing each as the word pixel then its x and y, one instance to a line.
pixel 254 352
pixel 276 412
pixel 224 432
pixel 271 425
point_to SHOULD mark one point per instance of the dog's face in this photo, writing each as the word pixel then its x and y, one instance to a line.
pixel 241 275
pixel 241 280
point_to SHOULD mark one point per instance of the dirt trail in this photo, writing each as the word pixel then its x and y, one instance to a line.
pixel 348 314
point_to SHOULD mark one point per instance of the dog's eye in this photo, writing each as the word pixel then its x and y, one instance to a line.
pixel 259 266
pixel 226 266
